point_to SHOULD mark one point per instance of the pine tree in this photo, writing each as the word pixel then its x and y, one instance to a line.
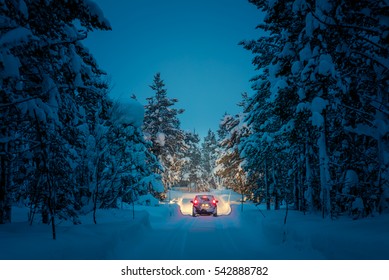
pixel 130 170
pixel 162 128
pixel 13 36
pixel 43 63
pixel 229 164
pixel 320 89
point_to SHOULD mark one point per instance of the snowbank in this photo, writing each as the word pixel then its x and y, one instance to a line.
pixel 167 232
pixel 87 241
pixel 339 239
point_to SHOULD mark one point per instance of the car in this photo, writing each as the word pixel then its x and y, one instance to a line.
pixel 204 204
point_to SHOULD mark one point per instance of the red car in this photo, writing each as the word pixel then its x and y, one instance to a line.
pixel 204 204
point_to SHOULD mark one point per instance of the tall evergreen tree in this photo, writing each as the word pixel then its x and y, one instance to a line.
pixel 42 65
pixel 229 164
pixel 162 128
pixel 317 99
pixel 129 164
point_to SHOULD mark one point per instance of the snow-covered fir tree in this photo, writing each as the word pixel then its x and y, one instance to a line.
pixel 131 164
pixel 43 68
pixel 321 102
pixel 229 162
pixel 65 147
pixel 162 128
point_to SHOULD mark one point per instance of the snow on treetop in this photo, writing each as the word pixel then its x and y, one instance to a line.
pixel 130 112
pixel 96 11
pixel 225 119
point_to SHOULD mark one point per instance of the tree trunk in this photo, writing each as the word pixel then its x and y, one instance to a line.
pixel 96 190
pixel 308 194
pixel 95 195
pixel 267 187
pixel 52 205
pixel 45 214
pixel 383 156
pixel 285 219
pixel 301 189
pixel 49 205
pixel 133 204
pixel 296 190
pixel 275 188
pixel 325 180
pixel 5 205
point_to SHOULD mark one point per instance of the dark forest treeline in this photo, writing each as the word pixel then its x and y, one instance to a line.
pixel 65 147
pixel 316 132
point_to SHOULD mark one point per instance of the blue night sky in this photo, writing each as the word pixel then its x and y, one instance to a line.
pixel 193 44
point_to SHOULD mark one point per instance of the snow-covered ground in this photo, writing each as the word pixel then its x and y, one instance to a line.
pixel 167 231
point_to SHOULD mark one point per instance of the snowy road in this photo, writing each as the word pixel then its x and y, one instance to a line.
pixel 203 237
pixel 167 231
pixel 232 235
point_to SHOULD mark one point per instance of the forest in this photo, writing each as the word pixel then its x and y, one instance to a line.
pixel 314 136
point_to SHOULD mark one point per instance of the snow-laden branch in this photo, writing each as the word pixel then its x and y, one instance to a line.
pixel 4 105
pixel 345 26
pixel 385 66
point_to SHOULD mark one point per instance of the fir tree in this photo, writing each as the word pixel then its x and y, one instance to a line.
pixel 42 80
pixel 162 128
pixel 229 164
pixel 310 98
